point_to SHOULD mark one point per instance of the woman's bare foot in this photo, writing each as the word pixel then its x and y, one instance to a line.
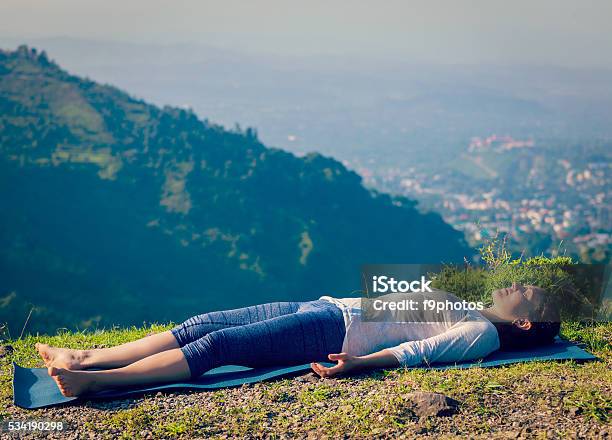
pixel 61 357
pixel 73 383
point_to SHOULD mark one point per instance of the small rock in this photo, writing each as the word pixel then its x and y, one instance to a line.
pixel 308 378
pixel 6 350
pixel 425 404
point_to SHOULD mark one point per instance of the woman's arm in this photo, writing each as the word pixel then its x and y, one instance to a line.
pixel 466 341
pixel 348 363
pixel 471 340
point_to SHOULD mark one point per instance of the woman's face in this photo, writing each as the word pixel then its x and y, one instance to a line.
pixel 518 301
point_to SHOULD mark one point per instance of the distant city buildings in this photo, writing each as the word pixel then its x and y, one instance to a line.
pixel 547 201
pixel 498 143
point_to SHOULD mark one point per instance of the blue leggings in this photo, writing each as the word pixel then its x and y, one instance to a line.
pixel 280 333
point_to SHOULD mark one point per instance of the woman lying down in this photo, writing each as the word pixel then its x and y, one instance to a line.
pixel 293 333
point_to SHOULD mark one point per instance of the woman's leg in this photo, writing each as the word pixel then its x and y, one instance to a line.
pixel 310 334
pixel 190 330
pixel 111 357
pixel 167 366
pixel 199 326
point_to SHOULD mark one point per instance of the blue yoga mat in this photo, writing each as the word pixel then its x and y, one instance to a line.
pixel 33 387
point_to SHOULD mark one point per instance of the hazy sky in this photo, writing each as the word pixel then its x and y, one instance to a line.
pixel 553 32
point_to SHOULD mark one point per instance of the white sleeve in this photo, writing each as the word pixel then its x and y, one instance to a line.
pixel 465 341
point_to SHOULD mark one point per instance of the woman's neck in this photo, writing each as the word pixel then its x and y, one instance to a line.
pixel 491 314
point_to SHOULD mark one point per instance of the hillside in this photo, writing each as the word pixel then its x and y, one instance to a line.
pixel 117 211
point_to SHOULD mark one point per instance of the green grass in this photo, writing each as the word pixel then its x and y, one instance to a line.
pixel 367 405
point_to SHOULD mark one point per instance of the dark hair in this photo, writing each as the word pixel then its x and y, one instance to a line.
pixel 542 332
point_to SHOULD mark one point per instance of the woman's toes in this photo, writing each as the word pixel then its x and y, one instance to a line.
pixel 66 391
pixel 70 383
pixel 43 350
pixel 62 383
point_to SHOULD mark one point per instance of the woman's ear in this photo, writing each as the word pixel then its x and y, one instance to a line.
pixel 522 323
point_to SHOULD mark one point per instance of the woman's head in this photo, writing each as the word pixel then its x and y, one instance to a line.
pixel 526 316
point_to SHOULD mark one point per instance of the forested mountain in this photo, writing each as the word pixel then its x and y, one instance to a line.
pixel 117 211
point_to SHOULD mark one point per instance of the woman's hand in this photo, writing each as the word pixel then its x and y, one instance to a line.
pixel 346 363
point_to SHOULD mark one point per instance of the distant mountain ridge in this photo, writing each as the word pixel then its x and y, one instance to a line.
pixel 116 211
